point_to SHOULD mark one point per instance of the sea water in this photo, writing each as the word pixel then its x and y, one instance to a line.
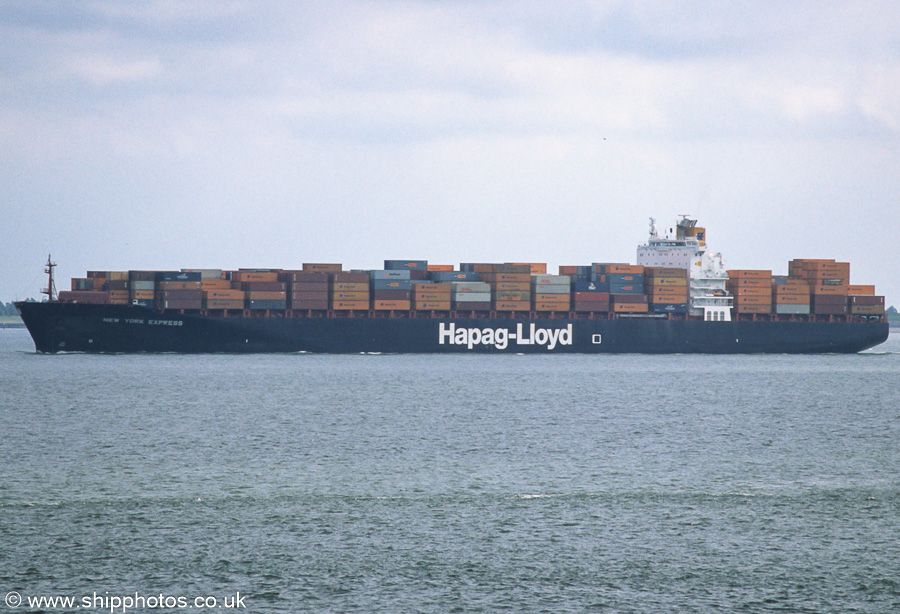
pixel 313 483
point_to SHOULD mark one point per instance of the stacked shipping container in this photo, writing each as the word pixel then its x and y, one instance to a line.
pixel 828 281
pixel 666 289
pixel 752 290
pixel 817 287
pixel 790 296
pixel 510 285
pixel 551 292
pixel 349 291
pixel 625 284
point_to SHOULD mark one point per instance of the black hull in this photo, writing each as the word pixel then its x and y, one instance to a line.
pixel 69 327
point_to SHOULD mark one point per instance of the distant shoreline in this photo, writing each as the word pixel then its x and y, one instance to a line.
pixel 11 322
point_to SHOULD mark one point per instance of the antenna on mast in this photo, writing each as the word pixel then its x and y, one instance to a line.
pixel 50 290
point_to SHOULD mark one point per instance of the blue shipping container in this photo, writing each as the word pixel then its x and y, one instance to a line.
pixel 392 284
pixel 406 265
pixel 626 288
pixel 669 308
pixel 589 286
pixel 389 274
pixel 177 276
pixel 264 304
pixel 454 276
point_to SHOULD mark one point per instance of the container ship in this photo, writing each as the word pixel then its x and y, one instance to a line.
pixel 679 297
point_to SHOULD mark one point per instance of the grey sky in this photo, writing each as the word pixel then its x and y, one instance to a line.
pixel 171 134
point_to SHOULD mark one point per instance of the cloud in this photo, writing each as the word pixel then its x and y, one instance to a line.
pixel 104 70
pixel 363 112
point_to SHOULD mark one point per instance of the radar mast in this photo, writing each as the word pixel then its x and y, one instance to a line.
pixel 50 290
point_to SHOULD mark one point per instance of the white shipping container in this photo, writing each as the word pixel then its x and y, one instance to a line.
pixel 472 297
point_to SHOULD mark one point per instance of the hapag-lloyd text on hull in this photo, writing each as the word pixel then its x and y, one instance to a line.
pixel 502 337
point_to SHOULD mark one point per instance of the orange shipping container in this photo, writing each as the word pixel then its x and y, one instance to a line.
pixel 222 303
pixel 350 305
pixel 791 289
pixel 260 295
pixel 762 274
pixel 142 295
pixel 555 306
pixel 677 282
pixel 746 292
pixel 857 290
pixel 323 267
pixel 674 290
pixel 431 305
pixel 392 305
pixel 630 307
pixel 627 269
pixel 871 310
pixel 656 297
pixel 551 298
pixel 537 268
pixel 753 300
pixel 242 276
pixel 749 283
pixel 512 306
pixel 441 267
pixel 215 284
pixel 830 290
pixel 348 286
pixel 350 296
pixel 224 294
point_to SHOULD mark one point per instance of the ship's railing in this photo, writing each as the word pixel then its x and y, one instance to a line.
pixel 523 315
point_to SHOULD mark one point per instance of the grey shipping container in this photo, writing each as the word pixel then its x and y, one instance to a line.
pixel 177 276
pixel 141 276
pixel 263 304
pixel 551 279
pixel 406 265
pixel 391 295
pixel 792 309
pixel 392 284
pixel 454 276
pixel 471 286
pixel 472 297
pixel 205 273
pixel 551 288
pixel 388 275
pixel 669 308
pixel 589 286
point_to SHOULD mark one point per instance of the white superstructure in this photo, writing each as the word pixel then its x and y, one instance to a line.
pixel 687 250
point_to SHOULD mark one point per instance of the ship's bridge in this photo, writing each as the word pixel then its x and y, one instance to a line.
pixel 709 298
